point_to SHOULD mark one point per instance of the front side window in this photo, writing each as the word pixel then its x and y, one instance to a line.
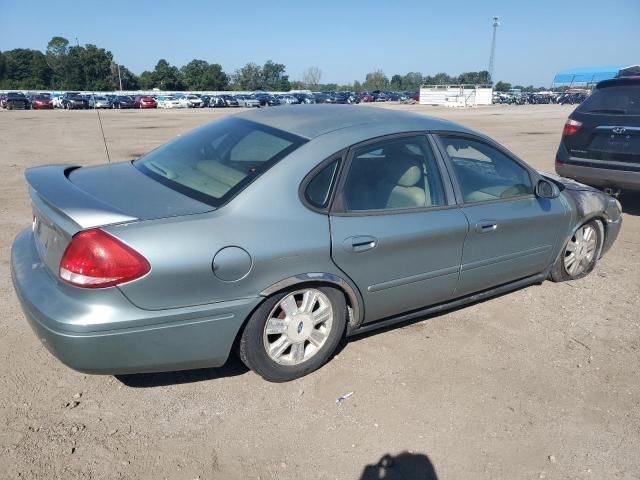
pixel 215 162
pixel 394 174
pixel 484 173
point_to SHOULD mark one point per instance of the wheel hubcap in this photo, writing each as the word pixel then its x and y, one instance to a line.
pixel 298 327
pixel 580 250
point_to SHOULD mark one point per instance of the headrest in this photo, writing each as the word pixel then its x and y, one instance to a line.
pixel 411 176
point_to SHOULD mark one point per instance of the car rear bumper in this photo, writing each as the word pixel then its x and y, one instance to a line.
pixel 102 332
pixel 601 176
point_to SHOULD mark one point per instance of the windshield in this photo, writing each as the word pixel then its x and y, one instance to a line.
pixel 622 100
pixel 215 162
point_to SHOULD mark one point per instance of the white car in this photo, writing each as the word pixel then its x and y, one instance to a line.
pixel 191 101
pixel 168 101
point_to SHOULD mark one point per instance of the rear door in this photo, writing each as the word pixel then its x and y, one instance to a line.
pixel 512 232
pixel 395 228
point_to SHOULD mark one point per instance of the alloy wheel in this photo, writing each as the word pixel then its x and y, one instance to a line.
pixel 581 250
pixel 298 326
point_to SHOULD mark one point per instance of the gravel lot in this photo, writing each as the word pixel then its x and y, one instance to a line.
pixel 540 383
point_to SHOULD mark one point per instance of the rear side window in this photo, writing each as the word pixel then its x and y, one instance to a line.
pixel 485 173
pixel 318 189
pixel 621 100
pixel 215 162
pixel 395 174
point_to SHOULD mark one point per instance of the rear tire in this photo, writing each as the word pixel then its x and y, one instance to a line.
pixel 580 254
pixel 305 324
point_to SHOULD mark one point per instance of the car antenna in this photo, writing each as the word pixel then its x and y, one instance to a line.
pixel 104 139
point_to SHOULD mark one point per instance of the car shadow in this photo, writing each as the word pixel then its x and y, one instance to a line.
pixel 630 203
pixel 404 466
pixel 233 368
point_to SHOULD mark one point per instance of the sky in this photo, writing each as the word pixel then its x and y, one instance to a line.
pixel 345 39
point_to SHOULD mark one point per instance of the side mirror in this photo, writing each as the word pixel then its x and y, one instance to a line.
pixel 547 189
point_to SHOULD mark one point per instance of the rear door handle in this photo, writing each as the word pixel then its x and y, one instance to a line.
pixel 486 226
pixel 360 243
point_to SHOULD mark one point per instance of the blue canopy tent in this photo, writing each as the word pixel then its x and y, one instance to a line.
pixel 585 76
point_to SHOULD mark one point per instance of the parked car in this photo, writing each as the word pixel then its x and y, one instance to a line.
pixel 74 101
pixel 267 100
pixel 229 100
pixel 288 99
pixel 98 101
pixel 168 101
pixel 190 101
pixel 366 97
pixel 169 261
pixel 144 101
pixel 305 98
pixel 41 102
pixel 17 101
pixel 320 97
pixel 248 101
pixel 600 144
pixel 122 101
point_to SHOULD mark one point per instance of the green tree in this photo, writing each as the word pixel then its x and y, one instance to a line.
pixel 376 80
pixel 3 67
pixel 129 80
pixel 274 77
pixel 201 75
pixel 97 67
pixel 357 86
pixel 248 77
pixel 25 68
pixel 145 80
pixel 166 76
pixel 502 86
pixel 396 82
pixel 412 81
pixel 57 58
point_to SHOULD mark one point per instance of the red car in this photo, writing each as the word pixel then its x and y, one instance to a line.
pixel 144 102
pixel 366 97
pixel 41 102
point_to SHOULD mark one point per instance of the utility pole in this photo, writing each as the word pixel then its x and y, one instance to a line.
pixel 496 24
pixel 119 77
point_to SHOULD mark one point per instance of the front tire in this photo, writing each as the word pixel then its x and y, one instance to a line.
pixel 294 332
pixel 580 254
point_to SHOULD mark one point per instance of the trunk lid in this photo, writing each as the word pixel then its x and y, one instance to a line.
pixel 68 198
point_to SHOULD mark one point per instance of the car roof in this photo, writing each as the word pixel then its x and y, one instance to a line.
pixel 311 121
pixel 619 81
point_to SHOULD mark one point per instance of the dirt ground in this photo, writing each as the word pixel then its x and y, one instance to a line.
pixel 540 383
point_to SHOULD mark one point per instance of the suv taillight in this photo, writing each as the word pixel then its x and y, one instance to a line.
pixel 95 259
pixel 571 127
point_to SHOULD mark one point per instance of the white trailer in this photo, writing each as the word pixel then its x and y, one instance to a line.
pixel 456 95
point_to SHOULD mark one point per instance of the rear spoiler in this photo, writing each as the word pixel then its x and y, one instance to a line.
pixel 51 185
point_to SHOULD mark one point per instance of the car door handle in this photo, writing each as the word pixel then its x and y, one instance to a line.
pixel 360 243
pixel 486 226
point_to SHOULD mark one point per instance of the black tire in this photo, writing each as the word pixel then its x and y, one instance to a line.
pixel 251 347
pixel 560 274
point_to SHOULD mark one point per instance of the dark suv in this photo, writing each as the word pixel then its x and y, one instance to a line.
pixel 600 144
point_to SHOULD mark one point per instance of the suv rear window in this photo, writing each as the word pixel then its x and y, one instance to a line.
pixel 215 162
pixel 620 100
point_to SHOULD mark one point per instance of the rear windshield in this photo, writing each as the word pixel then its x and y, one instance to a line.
pixel 215 162
pixel 622 100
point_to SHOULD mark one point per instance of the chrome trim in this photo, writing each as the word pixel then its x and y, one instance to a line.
pixel 355 312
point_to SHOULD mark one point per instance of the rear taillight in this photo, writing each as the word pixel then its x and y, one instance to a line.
pixel 95 259
pixel 571 127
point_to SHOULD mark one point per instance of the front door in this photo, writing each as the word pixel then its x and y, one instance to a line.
pixel 512 232
pixel 394 231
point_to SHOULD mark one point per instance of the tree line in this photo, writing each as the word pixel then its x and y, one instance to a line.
pixel 63 66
